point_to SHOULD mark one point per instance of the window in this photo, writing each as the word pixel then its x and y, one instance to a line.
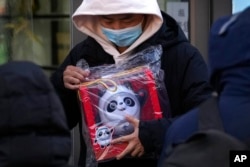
pixel 239 5
pixel 37 31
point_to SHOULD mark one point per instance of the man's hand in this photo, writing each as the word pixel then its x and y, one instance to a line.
pixel 134 147
pixel 73 76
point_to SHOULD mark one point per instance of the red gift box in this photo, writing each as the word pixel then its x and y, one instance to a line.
pixel 105 102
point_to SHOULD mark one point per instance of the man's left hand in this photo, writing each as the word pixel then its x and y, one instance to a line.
pixel 134 147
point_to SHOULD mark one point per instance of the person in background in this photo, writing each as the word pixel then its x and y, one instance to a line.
pixel 115 30
pixel 33 125
pixel 229 64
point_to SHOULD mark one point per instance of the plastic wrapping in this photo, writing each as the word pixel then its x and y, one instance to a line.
pixel 115 91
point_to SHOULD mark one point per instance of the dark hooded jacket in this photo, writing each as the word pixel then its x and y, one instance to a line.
pixel 186 78
pixel 229 66
pixel 33 126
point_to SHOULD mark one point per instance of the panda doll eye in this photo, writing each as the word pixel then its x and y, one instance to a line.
pixel 129 102
pixel 112 106
pixel 107 132
pixel 100 134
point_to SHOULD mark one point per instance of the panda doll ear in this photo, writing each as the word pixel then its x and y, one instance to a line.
pixel 142 96
pixel 128 85
pixel 102 92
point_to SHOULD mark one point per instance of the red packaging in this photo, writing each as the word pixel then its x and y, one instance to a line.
pixel 106 100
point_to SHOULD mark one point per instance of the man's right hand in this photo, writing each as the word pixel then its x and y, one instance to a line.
pixel 73 76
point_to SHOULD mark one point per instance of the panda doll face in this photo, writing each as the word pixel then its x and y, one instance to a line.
pixel 120 104
pixel 103 136
pixel 114 105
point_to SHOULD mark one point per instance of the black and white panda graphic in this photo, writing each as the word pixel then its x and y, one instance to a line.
pixel 117 102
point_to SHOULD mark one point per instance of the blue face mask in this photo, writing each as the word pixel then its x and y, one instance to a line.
pixel 123 37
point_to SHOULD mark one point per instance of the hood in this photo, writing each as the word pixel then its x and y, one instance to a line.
pixel 85 19
pixel 33 128
pixel 229 44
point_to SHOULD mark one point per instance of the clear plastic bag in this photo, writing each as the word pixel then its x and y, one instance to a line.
pixel 113 91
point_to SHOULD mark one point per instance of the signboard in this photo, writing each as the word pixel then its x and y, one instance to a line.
pixel 179 11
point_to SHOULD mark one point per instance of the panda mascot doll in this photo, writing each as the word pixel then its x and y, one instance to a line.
pixel 117 102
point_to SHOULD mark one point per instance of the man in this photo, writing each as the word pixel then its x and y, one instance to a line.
pixel 33 128
pixel 230 78
pixel 117 29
